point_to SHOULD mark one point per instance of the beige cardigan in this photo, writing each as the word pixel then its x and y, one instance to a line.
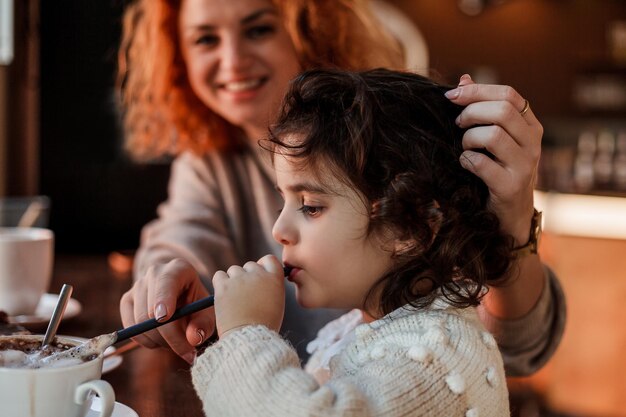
pixel 438 361
pixel 220 212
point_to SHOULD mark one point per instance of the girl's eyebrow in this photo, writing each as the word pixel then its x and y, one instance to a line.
pixel 304 186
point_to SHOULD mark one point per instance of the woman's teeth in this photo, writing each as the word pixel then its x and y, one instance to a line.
pixel 237 86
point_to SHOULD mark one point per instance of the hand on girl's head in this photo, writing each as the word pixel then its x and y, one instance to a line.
pixel 248 295
pixel 494 119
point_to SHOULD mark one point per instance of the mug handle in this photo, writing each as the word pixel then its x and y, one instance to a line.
pixel 104 391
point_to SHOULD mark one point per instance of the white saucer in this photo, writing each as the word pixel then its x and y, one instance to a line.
pixel 120 410
pixel 44 311
pixel 109 363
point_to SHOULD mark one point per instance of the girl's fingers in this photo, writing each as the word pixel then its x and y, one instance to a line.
pixel 272 264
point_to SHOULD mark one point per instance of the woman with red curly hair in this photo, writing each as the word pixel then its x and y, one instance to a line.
pixel 203 79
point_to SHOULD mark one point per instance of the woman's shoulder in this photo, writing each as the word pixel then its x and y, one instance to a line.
pixel 214 162
pixel 213 156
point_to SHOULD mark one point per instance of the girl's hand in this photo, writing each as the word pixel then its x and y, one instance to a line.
pixel 514 140
pixel 156 295
pixel 252 294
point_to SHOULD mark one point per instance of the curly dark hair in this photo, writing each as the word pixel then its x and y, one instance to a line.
pixel 392 137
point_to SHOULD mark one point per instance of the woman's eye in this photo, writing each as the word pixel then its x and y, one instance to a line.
pixel 311 211
pixel 257 32
pixel 209 40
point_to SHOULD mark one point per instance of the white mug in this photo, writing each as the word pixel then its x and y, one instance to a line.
pixel 26 258
pixel 54 392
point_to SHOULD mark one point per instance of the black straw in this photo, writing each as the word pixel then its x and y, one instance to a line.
pixel 194 307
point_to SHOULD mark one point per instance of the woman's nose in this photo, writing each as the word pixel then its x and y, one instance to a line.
pixel 236 54
pixel 283 230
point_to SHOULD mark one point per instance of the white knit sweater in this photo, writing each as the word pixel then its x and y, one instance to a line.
pixel 434 362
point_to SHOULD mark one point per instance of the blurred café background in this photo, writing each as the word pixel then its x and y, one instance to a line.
pixel 60 137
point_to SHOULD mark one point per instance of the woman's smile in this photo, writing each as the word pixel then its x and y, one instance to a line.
pixel 244 89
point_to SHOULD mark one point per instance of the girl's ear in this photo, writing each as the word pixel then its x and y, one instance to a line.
pixel 403 247
pixel 411 246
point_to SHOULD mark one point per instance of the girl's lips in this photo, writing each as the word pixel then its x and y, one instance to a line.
pixel 293 273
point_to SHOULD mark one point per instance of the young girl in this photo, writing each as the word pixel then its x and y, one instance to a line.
pixel 378 216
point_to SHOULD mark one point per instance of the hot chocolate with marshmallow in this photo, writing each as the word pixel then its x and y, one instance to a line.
pixel 19 352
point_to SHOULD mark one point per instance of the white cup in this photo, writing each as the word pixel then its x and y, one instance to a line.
pixel 26 258
pixel 54 392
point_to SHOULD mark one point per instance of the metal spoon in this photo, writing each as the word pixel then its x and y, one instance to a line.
pixel 57 315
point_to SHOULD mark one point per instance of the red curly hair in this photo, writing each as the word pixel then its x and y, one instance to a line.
pixel 162 114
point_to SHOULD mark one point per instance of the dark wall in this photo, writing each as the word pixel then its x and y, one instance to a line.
pixel 100 200
pixel 538 46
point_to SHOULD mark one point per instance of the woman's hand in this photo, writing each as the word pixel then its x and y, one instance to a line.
pixel 252 294
pixel 493 116
pixel 514 140
pixel 157 295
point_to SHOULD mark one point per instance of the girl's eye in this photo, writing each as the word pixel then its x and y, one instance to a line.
pixel 311 211
pixel 261 31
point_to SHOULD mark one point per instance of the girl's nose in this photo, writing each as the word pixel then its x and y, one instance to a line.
pixel 283 230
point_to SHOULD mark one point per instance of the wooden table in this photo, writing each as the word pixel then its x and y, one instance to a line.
pixel 153 382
